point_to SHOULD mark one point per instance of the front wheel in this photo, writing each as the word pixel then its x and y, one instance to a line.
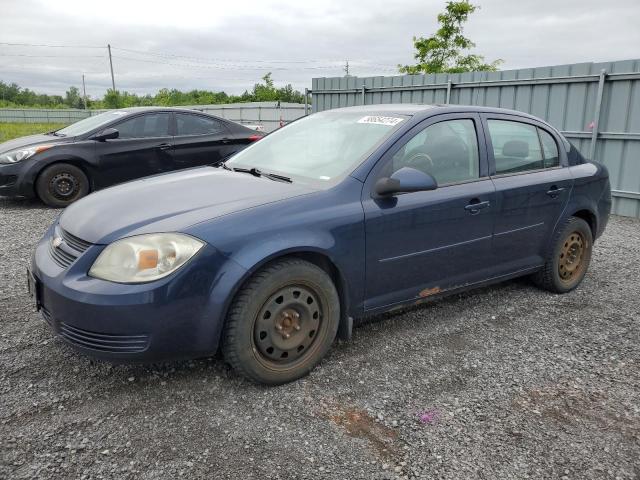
pixel 568 259
pixel 61 184
pixel 282 322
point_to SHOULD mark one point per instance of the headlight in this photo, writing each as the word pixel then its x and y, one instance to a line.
pixel 144 258
pixel 15 156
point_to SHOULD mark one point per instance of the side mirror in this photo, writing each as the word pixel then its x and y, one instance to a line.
pixel 106 134
pixel 405 180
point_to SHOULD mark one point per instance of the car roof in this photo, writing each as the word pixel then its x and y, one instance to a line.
pixel 159 109
pixel 426 109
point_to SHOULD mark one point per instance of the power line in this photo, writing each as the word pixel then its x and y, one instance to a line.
pixel 187 57
pixel 51 56
pixel 214 60
pixel 48 46
pixel 227 67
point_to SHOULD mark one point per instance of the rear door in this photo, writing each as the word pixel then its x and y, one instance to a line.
pixel 421 243
pixel 201 140
pixel 143 148
pixel 533 185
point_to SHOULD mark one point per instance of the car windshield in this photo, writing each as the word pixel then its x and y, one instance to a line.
pixel 89 124
pixel 320 149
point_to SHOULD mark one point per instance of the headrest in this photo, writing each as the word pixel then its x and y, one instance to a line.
pixel 515 148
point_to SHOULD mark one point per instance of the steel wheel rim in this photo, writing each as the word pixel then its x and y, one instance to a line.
pixel 571 259
pixel 64 186
pixel 288 326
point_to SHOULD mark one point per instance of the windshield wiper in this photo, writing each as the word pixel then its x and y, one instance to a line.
pixel 259 173
pixel 55 134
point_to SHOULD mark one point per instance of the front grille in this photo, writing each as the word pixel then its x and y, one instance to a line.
pixel 74 242
pixel 62 258
pixel 102 341
pixel 70 247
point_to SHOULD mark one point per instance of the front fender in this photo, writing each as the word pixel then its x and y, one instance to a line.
pixel 37 165
pixel 329 227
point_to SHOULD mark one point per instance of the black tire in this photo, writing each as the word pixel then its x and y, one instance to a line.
pixel 61 184
pixel 263 341
pixel 568 258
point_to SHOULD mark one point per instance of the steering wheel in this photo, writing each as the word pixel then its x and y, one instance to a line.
pixel 420 161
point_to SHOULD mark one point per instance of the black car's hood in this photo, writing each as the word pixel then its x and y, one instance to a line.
pixel 172 202
pixel 32 140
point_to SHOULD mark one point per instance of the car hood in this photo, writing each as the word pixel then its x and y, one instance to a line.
pixel 30 141
pixel 170 202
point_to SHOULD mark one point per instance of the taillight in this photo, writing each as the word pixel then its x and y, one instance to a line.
pixel 254 138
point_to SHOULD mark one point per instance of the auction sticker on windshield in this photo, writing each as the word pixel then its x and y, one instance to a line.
pixel 380 120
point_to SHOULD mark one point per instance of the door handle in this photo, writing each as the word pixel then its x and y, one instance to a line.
pixel 164 146
pixel 554 191
pixel 226 140
pixel 476 205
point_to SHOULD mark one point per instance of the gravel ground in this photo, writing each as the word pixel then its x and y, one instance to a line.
pixel 502 382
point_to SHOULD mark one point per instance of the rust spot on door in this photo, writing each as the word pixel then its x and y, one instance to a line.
pixel 427 292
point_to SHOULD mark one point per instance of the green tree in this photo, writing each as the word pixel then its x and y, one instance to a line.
pixel 443 51
pixel 112 99
pixel 73 99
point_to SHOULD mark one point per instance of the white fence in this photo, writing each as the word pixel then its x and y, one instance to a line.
pixel 268 114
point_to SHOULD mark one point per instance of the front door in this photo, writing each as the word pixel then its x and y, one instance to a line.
pixel 143 148
pixel 533 186
pixel 422 243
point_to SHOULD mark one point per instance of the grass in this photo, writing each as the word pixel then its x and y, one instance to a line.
pixel 9 131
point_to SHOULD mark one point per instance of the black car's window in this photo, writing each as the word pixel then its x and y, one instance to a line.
pixel 197 125
pixel 516 146
pixel 447 150
pixel 550 149
pixel 149 125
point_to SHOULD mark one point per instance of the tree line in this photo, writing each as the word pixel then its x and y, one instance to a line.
pixel 12 95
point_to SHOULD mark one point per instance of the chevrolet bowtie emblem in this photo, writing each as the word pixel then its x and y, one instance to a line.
pixel 56 242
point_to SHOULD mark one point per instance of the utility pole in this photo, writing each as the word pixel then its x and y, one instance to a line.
pixel 346 68
pixel 84 93
pixel 113 82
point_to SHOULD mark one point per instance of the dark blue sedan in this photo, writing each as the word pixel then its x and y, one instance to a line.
pixel 340 215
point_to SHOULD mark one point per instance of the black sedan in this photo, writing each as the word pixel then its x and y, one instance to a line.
pixel 62 166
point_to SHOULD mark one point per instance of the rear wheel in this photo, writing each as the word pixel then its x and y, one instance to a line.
pixel 569 258
pixel 282 322
pixel 61 184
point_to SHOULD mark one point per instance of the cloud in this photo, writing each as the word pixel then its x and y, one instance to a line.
pixel 230 46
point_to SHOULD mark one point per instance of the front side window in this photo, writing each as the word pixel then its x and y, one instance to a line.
pixel 197 125
pixel 150 125
pixel 516 146
pixel 92 123
pixel 446 150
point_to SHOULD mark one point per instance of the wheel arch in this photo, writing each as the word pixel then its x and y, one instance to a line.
pixel 312 255
pixel 75 161
pixel 588 216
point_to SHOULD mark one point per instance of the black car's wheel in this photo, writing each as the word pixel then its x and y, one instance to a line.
pixel 61 184
pixel 282 322
pixel 568 259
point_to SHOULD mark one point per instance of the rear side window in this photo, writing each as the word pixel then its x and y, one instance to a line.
pixel 516 146
pixel 197 125
pixel 550 150
pixel 145 126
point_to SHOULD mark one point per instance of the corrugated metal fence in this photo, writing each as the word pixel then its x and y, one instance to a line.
pixel 596 105
pixel 267 114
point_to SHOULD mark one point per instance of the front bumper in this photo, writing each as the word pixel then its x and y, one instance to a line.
pixel 179 316
pixel 14 182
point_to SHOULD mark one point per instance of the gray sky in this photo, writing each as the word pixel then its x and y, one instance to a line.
pixel 230 45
